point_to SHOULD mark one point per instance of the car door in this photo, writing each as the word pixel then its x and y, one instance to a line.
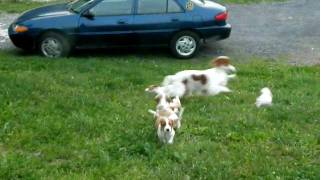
pixel 156 20
pixel 108 23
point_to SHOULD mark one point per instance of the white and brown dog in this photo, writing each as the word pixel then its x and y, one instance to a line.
pixel 165 130
pixel 172 110
pixel 168 116
pixel 198 82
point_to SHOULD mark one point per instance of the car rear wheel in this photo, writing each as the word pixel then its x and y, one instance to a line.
pixel 54 45
pixel 185 44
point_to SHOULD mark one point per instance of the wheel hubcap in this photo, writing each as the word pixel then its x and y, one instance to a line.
pixel 186 45
pixel 51 47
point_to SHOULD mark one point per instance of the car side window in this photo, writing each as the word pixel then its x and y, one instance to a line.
pixel 173 7
pixel 113 7
pixel 152 6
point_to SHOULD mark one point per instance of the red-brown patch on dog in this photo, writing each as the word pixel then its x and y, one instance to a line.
pixel 171 123
pixel 185 82
pixel 160 122
pixel 221 61
pixel 202 78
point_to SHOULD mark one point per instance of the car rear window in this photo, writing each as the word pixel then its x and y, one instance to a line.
pixel 173 7
pixel 158 6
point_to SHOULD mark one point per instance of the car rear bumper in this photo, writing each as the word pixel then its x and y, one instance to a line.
pixel 215 32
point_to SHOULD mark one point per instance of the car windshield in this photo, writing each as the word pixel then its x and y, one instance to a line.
pixel 77 5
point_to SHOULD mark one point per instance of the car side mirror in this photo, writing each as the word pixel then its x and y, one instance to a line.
pixel 88 14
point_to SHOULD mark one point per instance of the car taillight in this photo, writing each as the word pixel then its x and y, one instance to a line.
pixel 222 16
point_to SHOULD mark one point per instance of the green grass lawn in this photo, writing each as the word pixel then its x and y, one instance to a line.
pixel 18 7
pixel 86 118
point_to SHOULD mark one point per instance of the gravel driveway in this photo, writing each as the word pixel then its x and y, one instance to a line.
pixel 290 29
pixel 5 20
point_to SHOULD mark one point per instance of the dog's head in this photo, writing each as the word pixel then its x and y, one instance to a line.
pixel 166 124
pixel 266 90
pixel 223 62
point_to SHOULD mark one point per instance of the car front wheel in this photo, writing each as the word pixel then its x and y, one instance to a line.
pixel 54 45
pixel 185 44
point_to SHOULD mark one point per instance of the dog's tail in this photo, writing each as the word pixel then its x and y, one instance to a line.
pixel 154 113
pixel 151 88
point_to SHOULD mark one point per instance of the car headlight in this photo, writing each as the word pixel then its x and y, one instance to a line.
pixel 20 29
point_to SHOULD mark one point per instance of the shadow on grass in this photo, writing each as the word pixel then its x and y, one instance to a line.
pixel 120 53
pixel 160 52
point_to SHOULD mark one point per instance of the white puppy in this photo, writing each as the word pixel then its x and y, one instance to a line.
pixel 265 99
pixel 198 82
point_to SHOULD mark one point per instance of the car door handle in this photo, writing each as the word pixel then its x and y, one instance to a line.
pixel 122 21
pixel 174 19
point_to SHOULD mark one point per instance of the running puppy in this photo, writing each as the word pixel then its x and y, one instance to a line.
pixel 208 82
pixel 265 99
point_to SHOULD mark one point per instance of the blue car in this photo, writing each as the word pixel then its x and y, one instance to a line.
pixel 182 25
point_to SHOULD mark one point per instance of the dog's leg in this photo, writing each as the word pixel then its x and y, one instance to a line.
pixel 160 136
pixel 178 123
pixel 180 118
pixel 214 90
pixel 171 137
pixel 181 113
pixel 223 89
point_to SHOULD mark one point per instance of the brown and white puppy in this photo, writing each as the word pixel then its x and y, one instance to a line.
pixel 168 116
pixel 165 130
pixel 165 127
pixel 198 82
pixel 172 110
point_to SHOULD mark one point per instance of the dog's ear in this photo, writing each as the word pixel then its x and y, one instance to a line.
pixel 162 122
pixel 221 61
pixel 172 123
pixel 157 123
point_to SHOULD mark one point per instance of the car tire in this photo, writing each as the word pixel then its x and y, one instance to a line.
pixel 54 45
pixel 185 44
